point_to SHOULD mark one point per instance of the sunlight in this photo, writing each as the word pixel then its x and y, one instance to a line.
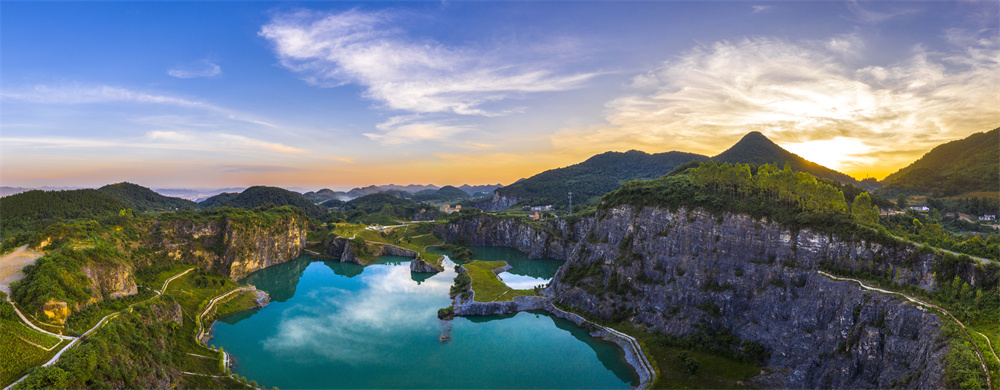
pixel 838 154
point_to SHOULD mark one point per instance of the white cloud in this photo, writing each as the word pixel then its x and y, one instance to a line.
pixel 761 8
pixel 161 139
pixel 77 94
pixel 802 92
pixel 421 76
pixel 402 130
pixel 197 69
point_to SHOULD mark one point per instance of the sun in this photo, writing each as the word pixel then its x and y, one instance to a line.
pixel 840 153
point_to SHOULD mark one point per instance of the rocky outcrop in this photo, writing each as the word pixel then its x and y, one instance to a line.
pixel 487 230
pixel 496 203
pixel 470 307
pixel 234 248
pixel 421 266
pixel 163 312
pixel 679 272
pixel 347 251
pixel 112 280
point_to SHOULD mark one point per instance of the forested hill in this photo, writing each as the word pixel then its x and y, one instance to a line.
pixel 957 167
pixel 22 214
pixel 595 177
pixel 144 199
pixel 756 149
pixel 258 196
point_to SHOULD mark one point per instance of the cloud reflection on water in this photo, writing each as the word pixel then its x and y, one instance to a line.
pixel 353 327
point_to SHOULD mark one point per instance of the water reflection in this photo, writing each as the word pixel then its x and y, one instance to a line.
pixel 379 329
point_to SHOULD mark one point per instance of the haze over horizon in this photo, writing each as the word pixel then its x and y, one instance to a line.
pixel 313 95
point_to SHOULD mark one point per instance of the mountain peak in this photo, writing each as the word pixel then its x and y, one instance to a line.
pixel 755 148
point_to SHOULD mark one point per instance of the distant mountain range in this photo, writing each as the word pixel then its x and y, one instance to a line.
pixel 605 172
pixel 967 165
pixel 413 189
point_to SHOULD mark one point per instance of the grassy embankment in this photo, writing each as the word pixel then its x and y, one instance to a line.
pixel 416 237
pixel 487 286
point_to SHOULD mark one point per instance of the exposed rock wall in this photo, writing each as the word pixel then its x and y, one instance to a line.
pixel 421 266
pixel 233 248
pixel 496 203
pixel 675 272
pixel 112 280
pixel 345 250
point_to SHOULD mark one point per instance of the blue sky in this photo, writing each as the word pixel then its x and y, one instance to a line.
pixel 314 94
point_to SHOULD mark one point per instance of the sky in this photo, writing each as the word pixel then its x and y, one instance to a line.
pixel 343 94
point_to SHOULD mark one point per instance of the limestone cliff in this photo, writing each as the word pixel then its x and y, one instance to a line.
pixel 496 203
pixel 111 280
pixel 234 248
pixel 677 272
pixel 351 251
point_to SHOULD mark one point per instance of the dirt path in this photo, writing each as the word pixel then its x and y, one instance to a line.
pixel 12 263
pixel 982 361
pixel 76 340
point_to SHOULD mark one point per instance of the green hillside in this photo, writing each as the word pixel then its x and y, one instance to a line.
pixel 24 213
pixel 258 196
pixel 145 199
pixel 443 194
pixel 385 209
pixel 595 177
pixel 957 167
pixel 756 149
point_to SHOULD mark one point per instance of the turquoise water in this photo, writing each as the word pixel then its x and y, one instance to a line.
pixel 334 325
pixel 525 273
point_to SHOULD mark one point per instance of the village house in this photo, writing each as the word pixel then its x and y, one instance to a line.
pixel 922 209
pixel 988 217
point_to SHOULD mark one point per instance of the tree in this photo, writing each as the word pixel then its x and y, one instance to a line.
pixel 901 201
pixel 862 210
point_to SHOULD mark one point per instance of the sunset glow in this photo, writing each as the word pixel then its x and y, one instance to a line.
pixel 341 95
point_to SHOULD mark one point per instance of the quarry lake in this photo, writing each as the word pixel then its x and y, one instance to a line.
pixel 339 325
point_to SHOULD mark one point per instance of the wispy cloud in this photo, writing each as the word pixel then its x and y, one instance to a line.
pixel 761 8
pixel 402 130
pixel 864 14
pixel 803 92
pixel 197 69
pixel 159 139
pixel 420 76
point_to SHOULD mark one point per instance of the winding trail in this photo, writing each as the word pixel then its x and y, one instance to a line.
pixel 982 361
pixel 76 340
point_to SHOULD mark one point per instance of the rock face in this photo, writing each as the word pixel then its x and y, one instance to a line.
pixel 233 248
pixel 496 203
pixel 418 265
pixel 677 272
pixel 113 281
pixel 346 250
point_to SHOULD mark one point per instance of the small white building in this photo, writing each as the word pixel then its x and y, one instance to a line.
pixel 922 209
pixel 988 217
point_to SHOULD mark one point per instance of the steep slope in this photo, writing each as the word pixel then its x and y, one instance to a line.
pixel 756 149
pixel 145 199
pixel 588 180
pixel 956 167
pixel 21 215
pixel 258 196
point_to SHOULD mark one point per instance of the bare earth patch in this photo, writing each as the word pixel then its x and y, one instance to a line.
pixel 12 263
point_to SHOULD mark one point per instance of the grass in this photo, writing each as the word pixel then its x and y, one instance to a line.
pixel 244 300
pixel 487 286
pixel 414 237
pixel 29 334
pixel 162 276
pixel 346 229
pixel 18 356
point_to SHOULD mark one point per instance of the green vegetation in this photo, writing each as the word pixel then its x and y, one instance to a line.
pixel 265 198
pixel 458 252
pixel 962 367
pixel 957 167
pixel 924 229
pixel 241 301
pixel 412 236
pixel 755 149
pixel 442 195
pixel 21 347
pixel 487 286
pixel 144 199
pixel 25 213
pixel 385 209
pixel 593 178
